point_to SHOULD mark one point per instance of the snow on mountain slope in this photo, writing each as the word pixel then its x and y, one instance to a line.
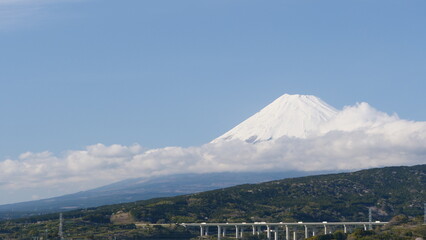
pixel 289 115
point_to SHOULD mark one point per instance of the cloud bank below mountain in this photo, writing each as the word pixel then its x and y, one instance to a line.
pixel 357 137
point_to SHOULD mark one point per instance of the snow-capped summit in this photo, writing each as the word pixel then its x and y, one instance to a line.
pixel 289 115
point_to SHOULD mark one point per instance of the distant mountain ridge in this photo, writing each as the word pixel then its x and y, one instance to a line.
pixel 140 189
pixel 289 115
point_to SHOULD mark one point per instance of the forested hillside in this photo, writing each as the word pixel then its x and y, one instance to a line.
pixel 388 191
pixel 335 197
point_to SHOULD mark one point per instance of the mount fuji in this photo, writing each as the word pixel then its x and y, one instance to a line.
pixel 295 135
pixel 289 115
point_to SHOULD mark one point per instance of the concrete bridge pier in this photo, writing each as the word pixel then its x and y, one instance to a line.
pixel 273 229
pixel 306 232
pixel 268 232
pixel 287 234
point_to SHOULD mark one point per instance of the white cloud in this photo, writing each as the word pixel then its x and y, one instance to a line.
pixel 359 137
pixel 359 117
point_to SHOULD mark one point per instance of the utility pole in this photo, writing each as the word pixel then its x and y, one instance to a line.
pixel 425 213
pixel 61 224
pixel 370 219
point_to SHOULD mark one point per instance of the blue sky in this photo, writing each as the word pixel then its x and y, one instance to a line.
pixel 181 73
pixel 163 73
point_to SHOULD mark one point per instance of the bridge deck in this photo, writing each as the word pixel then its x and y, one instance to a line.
pixel 284 224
